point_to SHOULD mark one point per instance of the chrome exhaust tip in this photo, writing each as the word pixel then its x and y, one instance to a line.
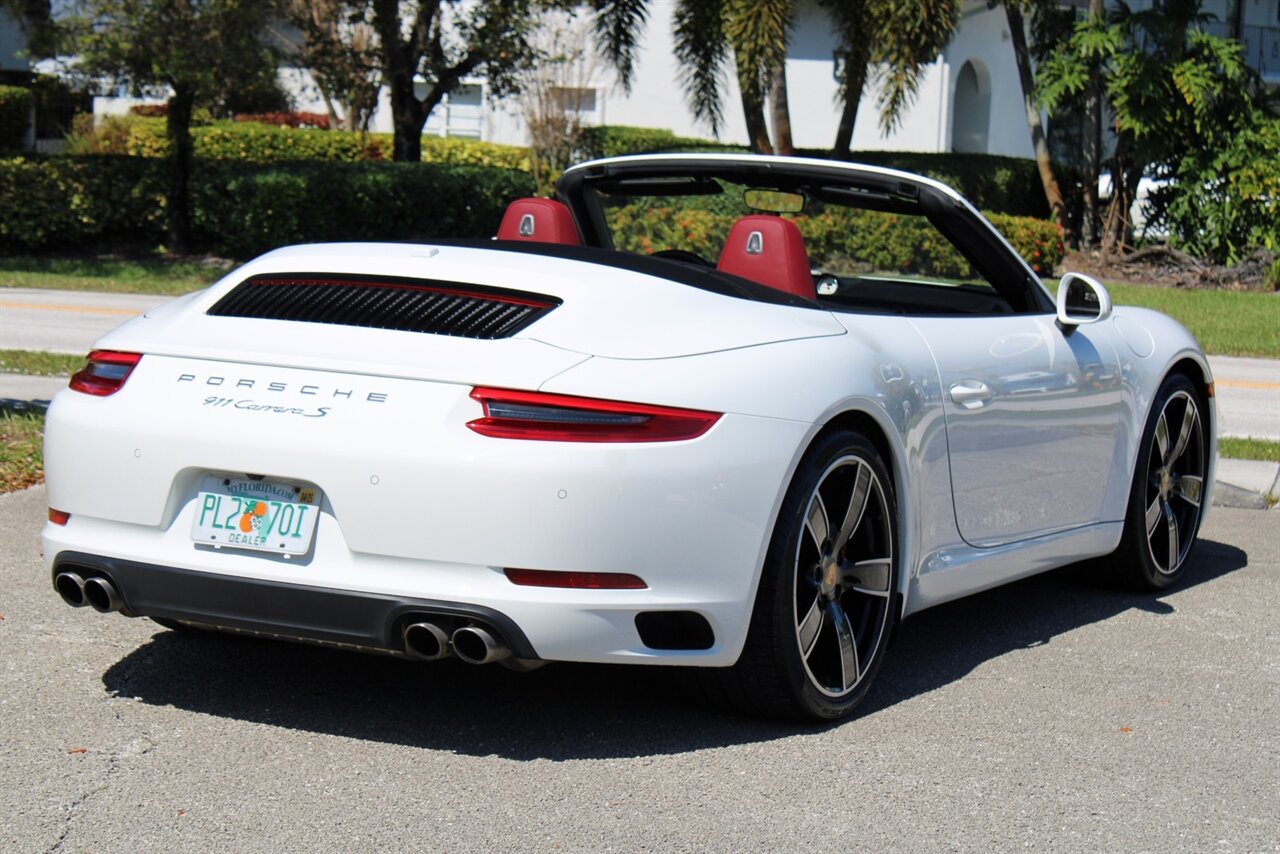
pixel 102 595
pixel 426 641
pixel 70 587
pixel 475 645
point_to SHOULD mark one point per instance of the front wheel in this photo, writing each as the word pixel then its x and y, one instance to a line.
pixel 826 605
pixel 1165 498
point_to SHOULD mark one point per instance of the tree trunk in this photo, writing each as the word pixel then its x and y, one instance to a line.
pixel 1124 177
pixel 856 80
pixel 1092 139
pixel 781 111
pixel 1048 179
pixel 398 64
pixel 181 161
pixel 757 128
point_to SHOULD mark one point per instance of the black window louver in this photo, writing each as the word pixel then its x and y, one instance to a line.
pixel 385 302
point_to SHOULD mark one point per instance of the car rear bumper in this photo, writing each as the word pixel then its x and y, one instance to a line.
pixel 367 621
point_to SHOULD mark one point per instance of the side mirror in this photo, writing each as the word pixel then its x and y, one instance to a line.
pixel 1082 299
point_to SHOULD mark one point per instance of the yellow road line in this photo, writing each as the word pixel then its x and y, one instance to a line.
pixel 85 309
pixel 1247 384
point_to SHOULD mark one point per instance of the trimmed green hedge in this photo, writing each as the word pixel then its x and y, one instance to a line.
pixel 615 140
pixel 241 209
pixel 15 115
pixel 257 142
pixel 883 241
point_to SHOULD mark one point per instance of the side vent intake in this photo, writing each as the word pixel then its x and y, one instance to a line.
pixel 385 302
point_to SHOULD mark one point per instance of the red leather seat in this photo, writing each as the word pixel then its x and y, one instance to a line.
pixel 540 221
pixel 769 250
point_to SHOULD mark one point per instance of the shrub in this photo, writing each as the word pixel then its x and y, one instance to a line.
pixel 473 152
pixel 616 140
pixel 1225 202
pixel 15 115
pixel 291 118
pixel 150 111
pixel 242 208
pixel 991 182
pixel 884 241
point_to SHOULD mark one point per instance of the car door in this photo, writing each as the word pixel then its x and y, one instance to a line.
pixel 1034 418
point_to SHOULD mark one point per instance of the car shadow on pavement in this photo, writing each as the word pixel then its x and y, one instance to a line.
pixel 569 711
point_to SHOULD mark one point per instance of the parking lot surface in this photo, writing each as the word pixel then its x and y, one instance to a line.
pixel 1056 714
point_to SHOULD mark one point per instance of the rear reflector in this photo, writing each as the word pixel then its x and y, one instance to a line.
pixel 562 418
pixel 59 517
pixel 104 372
pixel 575 580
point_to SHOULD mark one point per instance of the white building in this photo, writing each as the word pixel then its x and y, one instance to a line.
pixel 969 98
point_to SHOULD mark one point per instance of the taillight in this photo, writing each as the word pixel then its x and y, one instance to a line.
pixel 104 372
pixel 59 517
pixel 563 418
pixel 575 580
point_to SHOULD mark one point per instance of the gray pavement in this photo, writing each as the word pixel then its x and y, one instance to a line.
pixel 64 321
pixel 1054 714
pixel 1248 395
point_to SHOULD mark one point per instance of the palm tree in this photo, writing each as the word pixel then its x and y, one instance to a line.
pixel 887 41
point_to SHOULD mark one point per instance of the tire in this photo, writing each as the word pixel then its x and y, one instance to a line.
pixel 826 606
pixel 1164 511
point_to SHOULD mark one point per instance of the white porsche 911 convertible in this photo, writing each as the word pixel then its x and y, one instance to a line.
pixel 543 447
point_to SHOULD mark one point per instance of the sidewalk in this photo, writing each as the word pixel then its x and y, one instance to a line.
pixel 1239 483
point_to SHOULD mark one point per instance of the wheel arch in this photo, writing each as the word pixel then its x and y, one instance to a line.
pixel 861 419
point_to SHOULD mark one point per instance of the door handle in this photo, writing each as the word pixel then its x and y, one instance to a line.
pixel 970 393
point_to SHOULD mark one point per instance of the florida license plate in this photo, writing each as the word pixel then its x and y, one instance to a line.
pixel 264 515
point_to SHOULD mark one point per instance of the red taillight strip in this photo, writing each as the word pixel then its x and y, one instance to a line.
pixel 59 517
pixel 575 580
pixel 401 286
pixel 538 416
pixel 104 373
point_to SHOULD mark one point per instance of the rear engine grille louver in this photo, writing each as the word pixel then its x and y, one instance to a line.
pixel 384 302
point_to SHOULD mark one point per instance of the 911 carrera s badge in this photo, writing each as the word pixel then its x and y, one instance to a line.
pixel 255 514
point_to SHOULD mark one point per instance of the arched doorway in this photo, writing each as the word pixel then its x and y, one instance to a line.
pixel 971 111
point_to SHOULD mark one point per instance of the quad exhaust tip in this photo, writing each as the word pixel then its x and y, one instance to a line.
pixel 475 645
pixel 102 595
pixel 70 587
pixel 426 641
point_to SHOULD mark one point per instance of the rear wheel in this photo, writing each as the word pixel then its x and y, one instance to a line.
pixel 1164 512
pixel 826 605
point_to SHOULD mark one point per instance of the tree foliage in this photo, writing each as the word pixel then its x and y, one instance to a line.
pixel 1179 97
pixel 203 52
pixel 340 48
pixel 442 43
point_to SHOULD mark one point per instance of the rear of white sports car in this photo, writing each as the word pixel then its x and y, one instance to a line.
pixel 421 450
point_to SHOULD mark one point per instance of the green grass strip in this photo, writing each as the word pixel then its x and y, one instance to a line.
pixel 1226 323
pixel 148 276
pixel 39 364
pixel 21 450
pixel 1249 449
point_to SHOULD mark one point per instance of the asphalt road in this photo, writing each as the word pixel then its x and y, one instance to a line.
pixel 1248 390
pixel 1054 714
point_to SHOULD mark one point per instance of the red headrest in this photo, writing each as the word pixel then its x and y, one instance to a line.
pixel 539 220
pixel 769 250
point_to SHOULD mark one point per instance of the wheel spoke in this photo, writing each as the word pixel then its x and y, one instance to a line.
pixel 857 505
pixel 1173 537
pixel 1184 433
pixel 1162 439
pixel 816 523
pixel 1189 488
pixel 1154 515
pixel 810 626
pixel 868 576
pixel 848 647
